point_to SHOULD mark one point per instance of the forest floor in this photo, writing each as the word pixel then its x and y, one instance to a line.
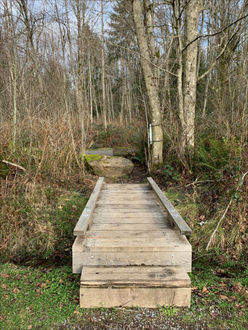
pixel 42 293
pixel 47 297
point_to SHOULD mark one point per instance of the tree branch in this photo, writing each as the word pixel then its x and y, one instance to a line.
pixel 14 165
pixel 217 58
pixel 216 33
pixel 149 61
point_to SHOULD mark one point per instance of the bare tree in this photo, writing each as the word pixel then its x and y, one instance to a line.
pixel 150 82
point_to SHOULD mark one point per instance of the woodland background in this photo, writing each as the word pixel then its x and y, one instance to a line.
pixel 72 78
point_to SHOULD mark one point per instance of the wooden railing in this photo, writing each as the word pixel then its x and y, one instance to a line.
pixel 85 219
pixel 173 216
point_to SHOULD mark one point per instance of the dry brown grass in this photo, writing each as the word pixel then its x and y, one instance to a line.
pixel 33 221
pixel 51 147
pixel 36 219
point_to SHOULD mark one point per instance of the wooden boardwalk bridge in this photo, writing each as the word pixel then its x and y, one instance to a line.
pixel 131 248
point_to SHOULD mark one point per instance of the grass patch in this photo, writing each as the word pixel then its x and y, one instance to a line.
pixel 47 297
pixel 40 221
pixel 36 297
pixel 186 204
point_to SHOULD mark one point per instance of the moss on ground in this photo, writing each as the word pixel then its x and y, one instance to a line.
pixel 92 158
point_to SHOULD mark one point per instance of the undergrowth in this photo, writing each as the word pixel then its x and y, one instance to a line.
pixel 116 135
pixel 216 166
pixel 202 196
pixel 40 207
pixel 36 219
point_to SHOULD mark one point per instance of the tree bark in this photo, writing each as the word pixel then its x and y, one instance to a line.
pixel 192 13
pixel 150 83
pixel 103 71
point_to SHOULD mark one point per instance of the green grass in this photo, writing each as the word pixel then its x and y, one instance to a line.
pixel 170 311
pixel 48 297
pixel 219 294
pixel 40 297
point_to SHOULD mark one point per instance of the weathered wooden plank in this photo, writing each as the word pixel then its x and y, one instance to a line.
pixel 122 235
pixel 126 187
pixel 130 220
pixel 173 215
pixel 134 286
pixel 86 217
pixel 128 233
pixel 164 258
pixel 100 151
pixel 113 194
pixel 126 200
pixel 134 245
pixel 129 212
pixel 127 191
pixel 127 227
pixel 120 205
pixel 167 277
pixel 133 297
pixel 130 215
pixel 172 272
pixel 121 192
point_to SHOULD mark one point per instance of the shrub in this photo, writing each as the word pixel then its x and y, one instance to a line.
pixel 37 221
pixel 214 157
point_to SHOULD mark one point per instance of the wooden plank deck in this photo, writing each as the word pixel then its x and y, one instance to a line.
pixel 126 233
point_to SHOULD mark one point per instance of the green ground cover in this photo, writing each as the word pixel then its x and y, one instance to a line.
pixel 46 297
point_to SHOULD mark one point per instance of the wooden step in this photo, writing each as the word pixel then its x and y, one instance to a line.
pixel 134 286
pixel 169 250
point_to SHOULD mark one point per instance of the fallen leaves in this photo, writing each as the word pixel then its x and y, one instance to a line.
pixel 204 290
pixel 200 292
pixel 237 287
pixel 38 291
pixel 228 298
pixel 16 290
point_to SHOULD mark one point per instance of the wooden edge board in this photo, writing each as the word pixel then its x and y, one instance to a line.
pixel 134 270
pixel 85 218
pixel 136 284
pixel 133 297
pixel 173 215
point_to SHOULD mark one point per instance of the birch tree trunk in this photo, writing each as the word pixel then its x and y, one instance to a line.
pixel 150 83
pixel 192 13
pixel 10 26
pixel 103 71
pixel 181 113
pixel 80 76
